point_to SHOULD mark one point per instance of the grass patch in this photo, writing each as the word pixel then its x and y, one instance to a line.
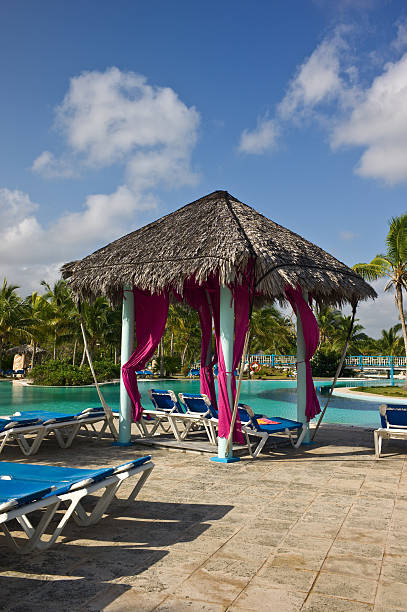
pixel 387 390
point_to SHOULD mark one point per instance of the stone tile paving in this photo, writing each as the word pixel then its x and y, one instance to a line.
pixel 319 529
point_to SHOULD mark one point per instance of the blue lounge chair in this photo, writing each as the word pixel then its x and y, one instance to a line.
pixel 27 488
pixel 31 427
pixel 252 427
pixel 199 410
pixel 193 372
pixel 393 419
pixel 17 428
pixel 165 404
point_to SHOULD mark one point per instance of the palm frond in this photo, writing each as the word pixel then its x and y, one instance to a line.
pixel 396 240
pixel 369 271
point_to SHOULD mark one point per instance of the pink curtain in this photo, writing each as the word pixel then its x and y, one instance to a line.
pixel 198 298
pixel 241 298
pixel 311 337
pixel 150 316
pixel 225 410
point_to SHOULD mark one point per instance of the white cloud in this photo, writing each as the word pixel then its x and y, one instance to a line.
pixel 348 235
pixel 378 123
pixel 319 79
pixel 372 116
pixel 106 118
pixel 49 166
pixel 261 139
pixel 400 42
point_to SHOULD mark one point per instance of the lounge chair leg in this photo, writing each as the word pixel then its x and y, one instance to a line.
pixel 259 447
pixel 377 443
pixel 140 483
pixel 174 428
pixel 26 447
pixel 249 446
pixel 34 534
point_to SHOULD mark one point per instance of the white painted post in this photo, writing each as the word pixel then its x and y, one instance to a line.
pixel 127 348
pixel 301 375
pixel 227 328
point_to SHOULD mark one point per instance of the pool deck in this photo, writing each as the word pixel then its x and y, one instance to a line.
pixel 323 528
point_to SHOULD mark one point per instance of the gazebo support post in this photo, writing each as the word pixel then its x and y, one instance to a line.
pixel 301 376
pixel 227 329
pixel 127 347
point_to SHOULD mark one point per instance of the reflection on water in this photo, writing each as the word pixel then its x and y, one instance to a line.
pixel 271 398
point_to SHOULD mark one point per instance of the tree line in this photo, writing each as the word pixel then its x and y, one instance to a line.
pixel 51 320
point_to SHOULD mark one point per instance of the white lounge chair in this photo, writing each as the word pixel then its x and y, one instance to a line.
pixel 253 426
pixel 26 489
pixel 394 425
pixel 29 428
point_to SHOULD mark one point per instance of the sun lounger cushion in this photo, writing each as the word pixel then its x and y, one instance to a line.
pixel 16 492
pixel 276 425
pixel 163 401
pixel 396 415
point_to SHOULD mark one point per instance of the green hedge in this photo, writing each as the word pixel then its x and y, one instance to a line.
pixel 58 373
pixel 325 363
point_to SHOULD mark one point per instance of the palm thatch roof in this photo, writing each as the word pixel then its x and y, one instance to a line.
pixel 215 234
pixel 25 348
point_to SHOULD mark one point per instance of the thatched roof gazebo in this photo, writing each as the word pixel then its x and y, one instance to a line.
pixel 216 233
pixel 216 239
pixel 25 349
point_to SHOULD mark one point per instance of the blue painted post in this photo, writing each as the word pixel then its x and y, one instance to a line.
pixel 301 375
pixel 227 328
pixel 272 360
pixel 361 362
pixel 392 371
pixel 127 348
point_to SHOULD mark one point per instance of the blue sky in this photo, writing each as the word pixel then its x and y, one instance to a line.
pixel 115 113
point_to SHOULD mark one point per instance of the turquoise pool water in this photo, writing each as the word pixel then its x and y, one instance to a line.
pixel 272 398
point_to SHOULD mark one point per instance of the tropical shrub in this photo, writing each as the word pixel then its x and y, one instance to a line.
pixel 58 373
pixel 172 364
pixel 325 363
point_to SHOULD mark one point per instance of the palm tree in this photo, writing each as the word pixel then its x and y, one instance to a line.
pixel 39 313
pixel 328 320
pixel 95 320
pixel 64 313
pixel 393 265
pixel 14 319
pixel 391 343
pixel 341 333
pixel 271 332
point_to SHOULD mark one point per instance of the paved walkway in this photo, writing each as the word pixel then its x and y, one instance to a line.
pixel 323 528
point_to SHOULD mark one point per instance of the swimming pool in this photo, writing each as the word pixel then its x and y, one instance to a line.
pixel 269 397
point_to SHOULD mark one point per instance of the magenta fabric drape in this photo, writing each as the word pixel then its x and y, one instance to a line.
pixel 225 410
pixel 150 316
pixel 241 298
pixel 311 337
pixel 198 298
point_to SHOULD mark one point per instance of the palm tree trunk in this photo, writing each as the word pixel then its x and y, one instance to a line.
pixel 161 358
pixel 34 347
pixel 115 355
pixel 1 352
pixel 399 300
pixel 184 353
pixel 172 344
pixel 55 345
pixel 74 352
pixel 83 356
